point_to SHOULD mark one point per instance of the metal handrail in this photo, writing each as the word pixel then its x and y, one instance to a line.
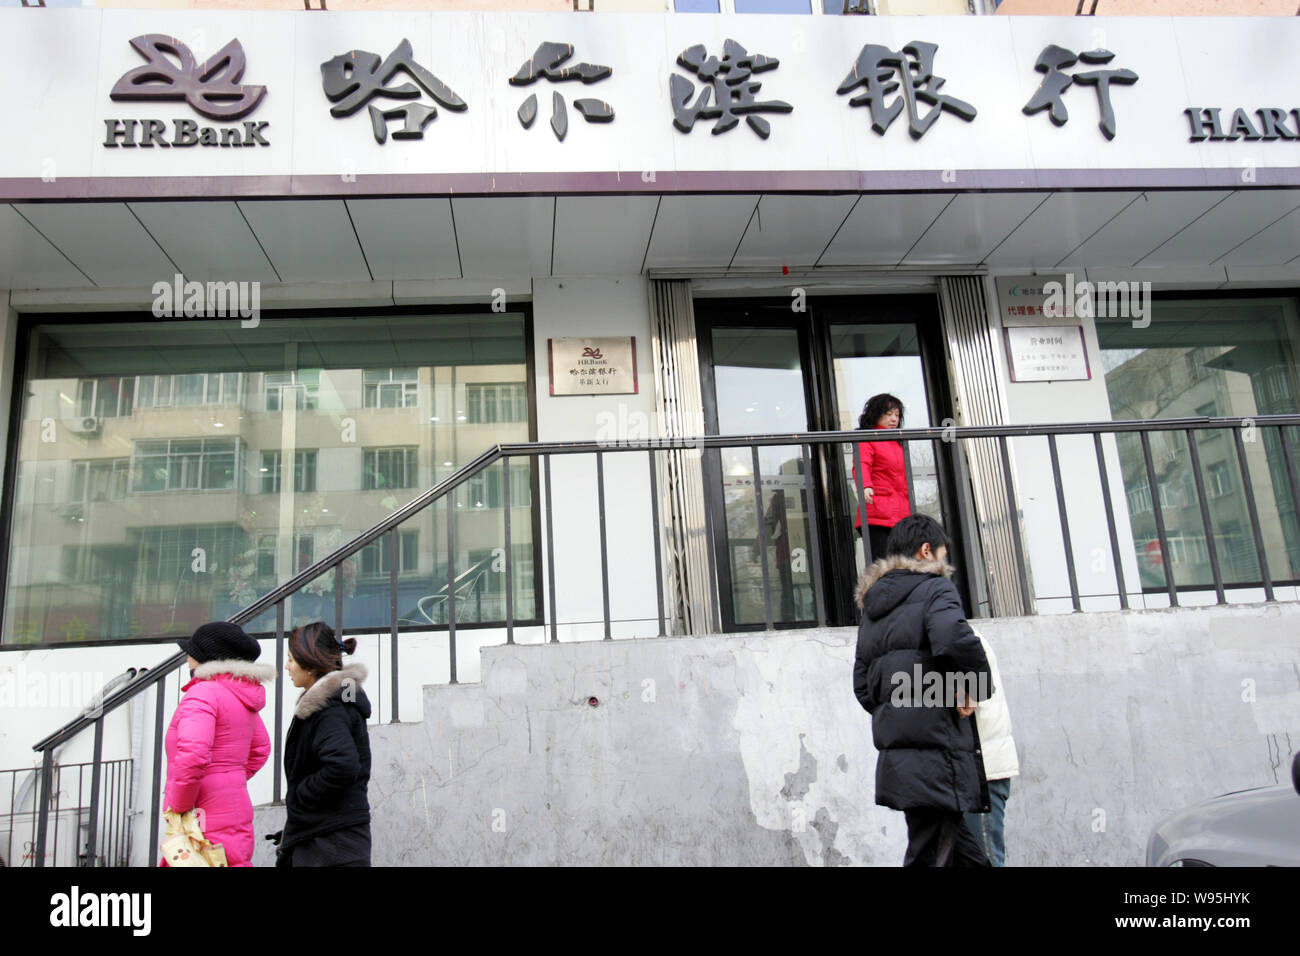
pixel 805 440
pixel 532 449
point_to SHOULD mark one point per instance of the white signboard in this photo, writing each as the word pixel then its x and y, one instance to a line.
pixel 605 366
pixel 149 103
pixel 1047 353
pixel 1022 301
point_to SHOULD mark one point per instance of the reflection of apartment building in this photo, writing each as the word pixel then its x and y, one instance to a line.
pixel 165 499
pixel 1206 380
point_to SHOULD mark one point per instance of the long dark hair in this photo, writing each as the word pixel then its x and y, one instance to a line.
pixel 876 408
pixel 316 649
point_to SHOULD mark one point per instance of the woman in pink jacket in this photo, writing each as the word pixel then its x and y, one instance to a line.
pixel 883 472
pixel 217 740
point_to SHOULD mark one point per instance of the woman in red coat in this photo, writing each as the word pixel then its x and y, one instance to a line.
pixel 883 472
pixel 217 740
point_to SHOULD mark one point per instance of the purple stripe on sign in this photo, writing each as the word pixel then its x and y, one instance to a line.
pixel 653 183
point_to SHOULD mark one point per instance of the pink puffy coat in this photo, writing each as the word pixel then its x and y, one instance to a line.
pixel 215 743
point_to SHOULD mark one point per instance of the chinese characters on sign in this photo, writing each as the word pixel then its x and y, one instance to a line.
pixel 546 63
pixel 723 89
pixel 729 85
pixel 910 72
pixel 1023 301
pixel 1054 353
pixel 1051 92
pixel 604 366
pixel 352 79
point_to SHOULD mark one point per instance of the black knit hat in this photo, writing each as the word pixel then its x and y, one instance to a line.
pixel 221 641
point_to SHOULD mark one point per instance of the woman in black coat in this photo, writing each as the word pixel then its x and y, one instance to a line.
pixel 919 671
pixel 326 755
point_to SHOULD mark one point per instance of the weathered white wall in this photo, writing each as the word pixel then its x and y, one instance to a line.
pixel 751 749
pixel 582 307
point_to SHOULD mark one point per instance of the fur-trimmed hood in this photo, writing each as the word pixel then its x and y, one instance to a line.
pixel 249 670
pixel 319 694
pixel 243 679
pixel 897 562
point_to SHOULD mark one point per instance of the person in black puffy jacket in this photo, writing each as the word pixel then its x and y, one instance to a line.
pixel 919 671
pixel 326 755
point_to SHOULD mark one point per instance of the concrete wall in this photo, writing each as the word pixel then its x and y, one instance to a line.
pixel 752 749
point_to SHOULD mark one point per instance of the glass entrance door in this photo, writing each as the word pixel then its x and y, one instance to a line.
pixel 766 370
pixel 759 387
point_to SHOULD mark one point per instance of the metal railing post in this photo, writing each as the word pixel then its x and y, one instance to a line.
pixel 1253 511
pixel 814 543
pixel 43 791
pixel 451 584
pixel 859 482
pixel 654 530
pixel 1104 479
pixel 155 787
pixel 1013 517
pixel 1212 549
pixel 550 551
pixel 1165 557
pixel 604 553
pixel 1065 524
pixel 761 536
pixel 277 765
pixel 510 583
pixel 96 769
pixel 394 645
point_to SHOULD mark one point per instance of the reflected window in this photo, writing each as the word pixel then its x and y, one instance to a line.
pixel 376 558
pixel 304 472
pixel 391 388
pixel 100 480
pixel 489 403
pixel 389 468
pixel 105 398
pixel 297 390
pixel 186 465
pixel 1207 358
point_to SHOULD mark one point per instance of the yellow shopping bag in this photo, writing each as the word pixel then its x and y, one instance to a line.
pixel 185 845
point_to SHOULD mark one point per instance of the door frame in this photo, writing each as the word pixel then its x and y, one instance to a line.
pixel 835 507
pixel 746 313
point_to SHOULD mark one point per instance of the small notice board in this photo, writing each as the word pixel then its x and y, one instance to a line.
pixel 603 366
pixel 1052 353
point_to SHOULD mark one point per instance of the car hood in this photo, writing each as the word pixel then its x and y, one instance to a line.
pixel 1256 827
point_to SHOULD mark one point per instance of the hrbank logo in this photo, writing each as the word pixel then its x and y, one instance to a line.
pixel 212 88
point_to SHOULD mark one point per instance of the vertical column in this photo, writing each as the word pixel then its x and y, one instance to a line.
pixel 979 400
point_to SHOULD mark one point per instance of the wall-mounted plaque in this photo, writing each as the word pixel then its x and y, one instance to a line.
pixel 605 366
pixel 1049 353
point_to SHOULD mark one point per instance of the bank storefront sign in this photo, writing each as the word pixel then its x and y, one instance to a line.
pixel 637 102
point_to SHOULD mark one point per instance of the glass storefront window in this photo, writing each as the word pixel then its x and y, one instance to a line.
pixel 1207 358
pixel 153 487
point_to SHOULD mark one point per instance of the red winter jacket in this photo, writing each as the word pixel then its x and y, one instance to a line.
pixel 882 469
